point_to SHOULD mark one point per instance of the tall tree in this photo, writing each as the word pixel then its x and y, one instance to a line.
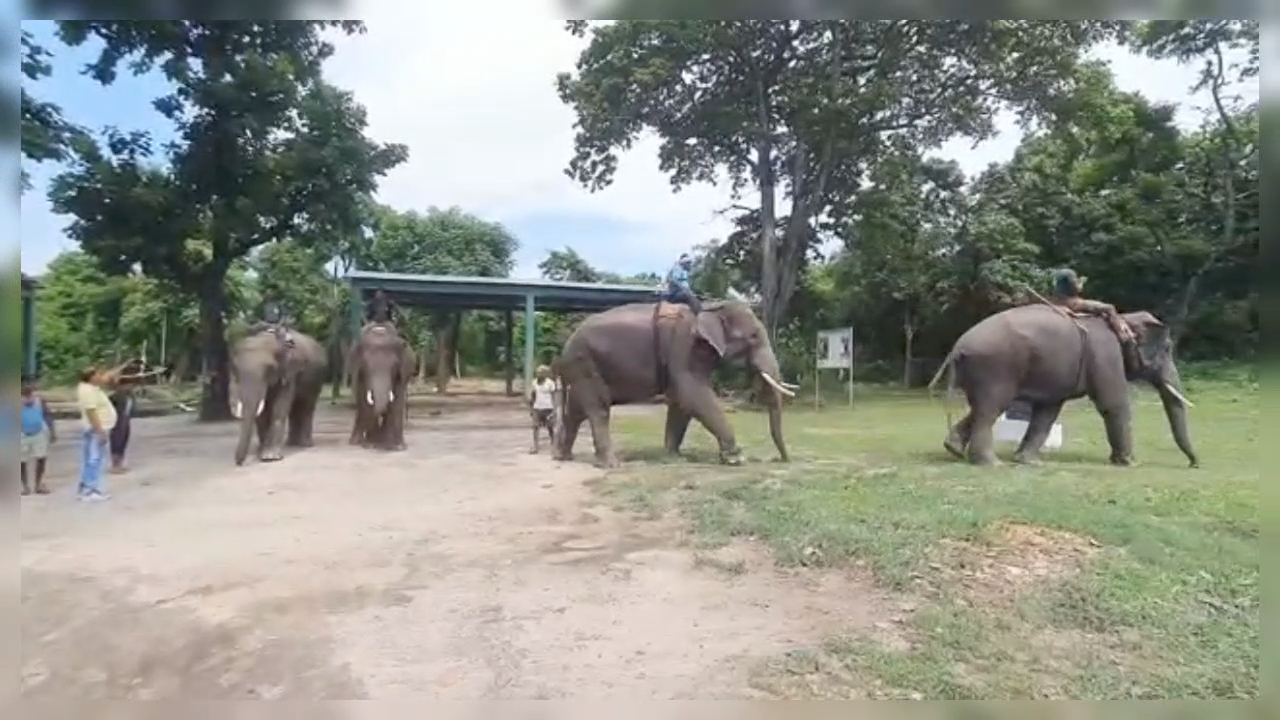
pixel 440 242
pixel 46 134
pixel 1211 43
pixel 267 151
pixel 802 108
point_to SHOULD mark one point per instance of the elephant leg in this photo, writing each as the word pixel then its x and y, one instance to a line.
pixel 395 420
pixel 985 407
pixel 602 439
pixel 263 423
pixel 1043 416
pixel 958 436
pixel 278 412
pixel 360 422
pixel 699 401
pixel 301 417
pixel 677 426
pixel 1117 420
pixel 573 419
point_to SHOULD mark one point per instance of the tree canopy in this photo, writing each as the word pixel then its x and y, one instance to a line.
pixel 267 151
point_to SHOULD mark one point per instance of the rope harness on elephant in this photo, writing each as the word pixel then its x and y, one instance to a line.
pixel 1085 351
pixel 659 365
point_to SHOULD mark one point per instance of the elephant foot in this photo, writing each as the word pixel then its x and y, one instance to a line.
pixel 355 440
pixel 1123 460
pixel 954 446
pixel 986 460
pixel 559 456
pixel 732 457
pixel 397 447
pixel 271 456
pixel 1028 459
pixel 609 462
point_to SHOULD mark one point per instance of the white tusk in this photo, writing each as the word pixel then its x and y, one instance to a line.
pixel 776 386
pixel 368 396
pixel 1174 392
pixel 790 386
pixel 391 395
pixel 261 404
pixel 236 409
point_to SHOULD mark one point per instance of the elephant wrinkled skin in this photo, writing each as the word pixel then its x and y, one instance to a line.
pixel 274 384
pixel 381 365
pixel 1036 353
pixel 612 358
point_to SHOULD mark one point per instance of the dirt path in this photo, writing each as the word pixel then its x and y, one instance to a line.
pixel 461 568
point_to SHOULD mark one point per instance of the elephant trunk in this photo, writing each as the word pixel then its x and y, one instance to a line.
pixel 379 394
pixel 1175 408
pixel 766 364
pixel 247 407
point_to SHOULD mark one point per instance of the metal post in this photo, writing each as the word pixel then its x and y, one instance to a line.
pixel 355 318
pixel 530 329
pixel 509 355
pixel 851 352
pixel 817 371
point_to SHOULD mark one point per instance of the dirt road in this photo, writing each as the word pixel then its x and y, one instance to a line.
pixel 461 568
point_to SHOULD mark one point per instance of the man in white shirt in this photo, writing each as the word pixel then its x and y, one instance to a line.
pixel 542 406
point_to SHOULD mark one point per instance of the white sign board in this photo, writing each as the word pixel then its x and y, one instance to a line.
pixel 1011 431
pixel 835 349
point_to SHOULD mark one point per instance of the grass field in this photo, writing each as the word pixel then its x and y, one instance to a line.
pixel 1072 579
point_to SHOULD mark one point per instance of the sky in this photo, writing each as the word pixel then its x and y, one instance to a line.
pixel 472 95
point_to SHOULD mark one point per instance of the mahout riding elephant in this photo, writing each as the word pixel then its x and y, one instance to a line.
pixel 1045 356
pixel 276 380
pixel 381 364
pixel 632 353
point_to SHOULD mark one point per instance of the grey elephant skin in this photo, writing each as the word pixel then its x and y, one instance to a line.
pixel 612 358
pixel 274 386
pixel 1038 354
pixel 381 364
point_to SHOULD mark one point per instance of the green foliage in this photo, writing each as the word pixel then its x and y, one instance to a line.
pixel 267 151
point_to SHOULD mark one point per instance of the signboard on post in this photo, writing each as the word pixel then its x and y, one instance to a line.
pixel 835 352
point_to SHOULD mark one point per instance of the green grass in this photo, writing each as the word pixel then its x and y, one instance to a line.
pixel 1165 605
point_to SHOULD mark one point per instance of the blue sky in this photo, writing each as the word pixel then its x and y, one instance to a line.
pixel 487 135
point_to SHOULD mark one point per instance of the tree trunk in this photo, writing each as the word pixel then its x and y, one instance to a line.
pixel 214 401
pixel 909 336
pixel 444 352
pixel 456 335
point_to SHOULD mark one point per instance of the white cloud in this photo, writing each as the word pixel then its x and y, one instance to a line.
pixel 472 94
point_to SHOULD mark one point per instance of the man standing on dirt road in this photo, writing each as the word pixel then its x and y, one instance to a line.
pixel 542 406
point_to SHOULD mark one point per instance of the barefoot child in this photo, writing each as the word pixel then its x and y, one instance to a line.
pixel 542 406
pixel 37 433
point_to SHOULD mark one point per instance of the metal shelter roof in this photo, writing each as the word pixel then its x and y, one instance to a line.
pixel 486 293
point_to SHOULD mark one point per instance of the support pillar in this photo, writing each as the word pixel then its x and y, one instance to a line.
pixel 355 319
pixel 509 353
pixel 28 333
pixel 530 330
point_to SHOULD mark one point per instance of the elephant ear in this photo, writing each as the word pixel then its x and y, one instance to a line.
pixel 709 327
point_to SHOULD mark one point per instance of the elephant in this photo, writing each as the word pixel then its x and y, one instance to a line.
pixel 1044 355
pixel 381 365
pixel 280 376
pixel 633 353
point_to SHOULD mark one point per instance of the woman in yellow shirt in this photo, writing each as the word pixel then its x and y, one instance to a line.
pixel 97 417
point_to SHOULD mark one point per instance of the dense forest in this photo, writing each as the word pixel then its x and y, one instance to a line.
pixel 827 130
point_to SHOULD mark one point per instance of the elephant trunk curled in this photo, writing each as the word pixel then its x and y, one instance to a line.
pixel 1175 409
pixel 247 406
pixel 765 362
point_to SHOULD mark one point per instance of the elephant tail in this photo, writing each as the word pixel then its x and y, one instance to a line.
pixel 948 366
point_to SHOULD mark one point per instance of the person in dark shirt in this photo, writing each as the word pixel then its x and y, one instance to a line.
pixel 381 309
pixel 1067 288
pixel 122 399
